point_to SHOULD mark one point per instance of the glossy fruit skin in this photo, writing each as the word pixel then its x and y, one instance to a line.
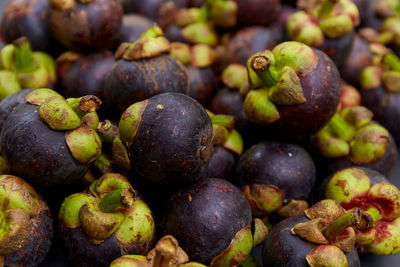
pixel 322 92
pixel 10 102
pixel 87 27
pixel 174 140
pixel 132 81
pixel 360 57
pixel 202 84
pixel 36 152
pixel 86 76
pixel 295 175
pixel 205 217
pixel 221 164
pixel 282 248
pixel 133 26
pixel 338 49
pixel 257 12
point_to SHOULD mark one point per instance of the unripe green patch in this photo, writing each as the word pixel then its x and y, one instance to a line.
pixel 130 121
pixel 39 96
pixel 56 113
pixel 84 144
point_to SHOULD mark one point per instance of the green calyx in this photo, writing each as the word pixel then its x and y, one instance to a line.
pixel 223 13
pixel 120 154
pixel 187 16
pixel 202 56
pixel 84 144
pixel 237 251
pixel 130 121
pixel 150 44
pixel 294 207
pixel 62 5
pixel 200 33
pixel 107 131
pixel 235 76
pixel 259 108
pixel 390 27
pixel 104 163
pixel 303 28
pixel 58 115
pixel 370 77
pixel 327 255
pixel 8 84
pixel 130 261
pixel 263 199
pixel 234 142
pixel 7 57
pixel 84 105
pixel 260 232
pixel 39 96
pixel 181 51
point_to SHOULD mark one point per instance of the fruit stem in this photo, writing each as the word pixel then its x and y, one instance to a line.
pixel 353 217
pixel 392 61
pixel 267 73
pixel 369 218
pixel 326 8
pixel 107 131
pixel 23 55
pixel 85 104
pixel 116 199
pixel 341 128
pixel 165 251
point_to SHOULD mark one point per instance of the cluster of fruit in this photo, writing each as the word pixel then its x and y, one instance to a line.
pixel 189 132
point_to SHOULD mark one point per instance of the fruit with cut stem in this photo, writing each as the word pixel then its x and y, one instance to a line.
pixel 296 89
pixel 215 235
pixel 269 189
pixel 324 236
pixel 168 138
pixel 26 223
pixel 54 143
pixel 105 222
pixel 85 26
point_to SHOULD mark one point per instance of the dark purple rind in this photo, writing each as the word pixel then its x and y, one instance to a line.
pixel 40 240
pixel 203 84
pixel 173 143
pixel 363 7
pixel 36 152
pixel 133 26
pixel 385 165
pixel 27 18
pixel 10 102
pixel 83 253
pixel 386 108
pixel 174 34
pixel 87 75
pixel 205 217
pixel 221 164
pixel 322 91
pixel 230 102
pixel 286 166
pixel 87 27
pixel 257 12
pixel 359 58
pixel 338 49
pixel 282 248
pixel 132 81
pixel 149 8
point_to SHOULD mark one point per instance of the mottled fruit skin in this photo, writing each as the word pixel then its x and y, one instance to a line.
pixel 360 57
pixel 282 248
pixel 295 175
pixel 202 84
pixel 257 12
pixel 86 76
pixel 205 217
pixel 221 164
pixel 174 140
pixel 87 27
pixel 8 103
pixel 40 240
pixel 322 92
pixel 386 108
pixel 132 81
pixel 338 49
pixel 133 26
pixel 36 152
pixel 27 18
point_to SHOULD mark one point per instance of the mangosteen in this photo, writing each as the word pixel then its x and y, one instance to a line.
pixel 87 75
pixel 211 221
pixel 27 225
pixel 106 221
pixel 168 138
pixel 142 71
pixel 257 12
pixel 327 25
pixel 351 139
pixel 360 188
pixel 82 25
pixel 48 140
pixel 276 177
pixel 133 26
pixel 297 89
pixel 149 8
pixel 324 236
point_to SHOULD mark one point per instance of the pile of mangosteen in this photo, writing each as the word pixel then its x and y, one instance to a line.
pixel 197 133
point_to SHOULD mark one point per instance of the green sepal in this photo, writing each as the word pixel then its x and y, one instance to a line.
pixel 220 134
pixel 327 255
pixel 234 142
pixel 258 107
pixel 130 121
pixel 69 210
pixel 62 5
pixel 223 14
pixel 263 198
pixel 48 62
pixel 237 251
pixel 358 116
pixel 369 144
pixel 8 84
pixel 390 244
pixel 7 57
pixel 303 28
pixel 335 27
pixel 181 52
pixel 236 76
pixel 91 119
pixel 330 146
pixel 385 197
pixel 370 77
pixel 84 143
pixel 147 48
pixel 56 113
pixel 130 261
pixel 35 78
pixel 200 33
pixel 202 56
pixel 250 261
pixel 109 182
pixel 39 96
pixel 120 154
pixel 391 81
pixel 260 232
